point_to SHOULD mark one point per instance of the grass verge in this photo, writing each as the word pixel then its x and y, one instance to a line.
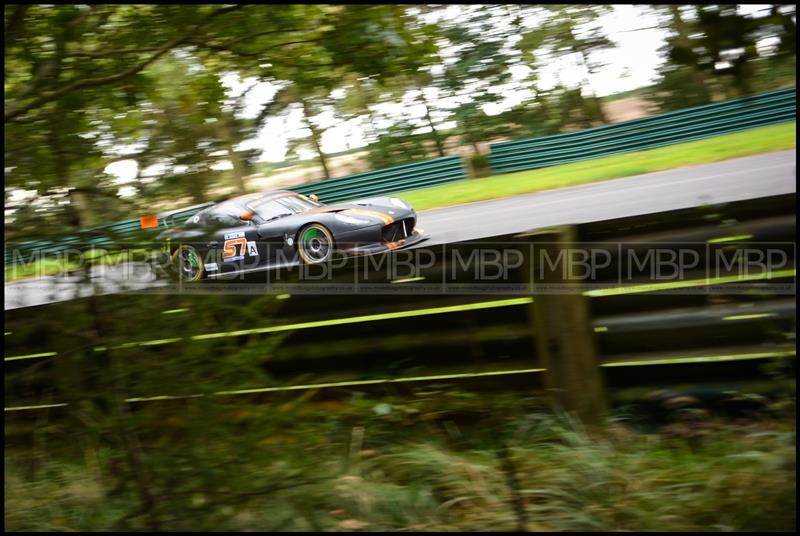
pixel 739 144
pixel 368 475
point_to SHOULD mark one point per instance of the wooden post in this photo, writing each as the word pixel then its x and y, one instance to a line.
pixel 561 320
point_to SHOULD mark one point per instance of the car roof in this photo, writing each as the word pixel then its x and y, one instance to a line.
pixel 239 204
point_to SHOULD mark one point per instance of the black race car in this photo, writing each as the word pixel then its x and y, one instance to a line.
pixel 282 228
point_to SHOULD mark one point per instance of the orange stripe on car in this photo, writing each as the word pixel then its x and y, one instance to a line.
pixel 385 218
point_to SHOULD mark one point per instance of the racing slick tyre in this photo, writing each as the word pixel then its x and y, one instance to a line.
pixel 315 244
pixel 187 264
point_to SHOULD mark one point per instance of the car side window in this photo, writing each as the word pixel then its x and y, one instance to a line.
pixel 224 220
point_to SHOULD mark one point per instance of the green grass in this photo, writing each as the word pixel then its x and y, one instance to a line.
pixel 746 143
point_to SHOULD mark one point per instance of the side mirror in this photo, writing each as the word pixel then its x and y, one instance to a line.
pixel 314 198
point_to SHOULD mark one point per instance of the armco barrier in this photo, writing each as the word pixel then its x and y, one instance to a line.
pixel 646 133
pixel 393 179
pixel 649 333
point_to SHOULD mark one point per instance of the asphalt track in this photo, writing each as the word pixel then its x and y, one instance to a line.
pixel 731 180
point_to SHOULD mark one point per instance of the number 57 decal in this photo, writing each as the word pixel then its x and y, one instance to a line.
pixel 229 248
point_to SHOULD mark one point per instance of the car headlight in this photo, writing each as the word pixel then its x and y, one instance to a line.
pixel 399 203
pixel 351 220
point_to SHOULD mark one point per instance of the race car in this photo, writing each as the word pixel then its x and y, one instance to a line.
pixel 282 228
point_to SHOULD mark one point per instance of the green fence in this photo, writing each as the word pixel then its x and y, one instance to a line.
pixel 646 133
pixel 385 181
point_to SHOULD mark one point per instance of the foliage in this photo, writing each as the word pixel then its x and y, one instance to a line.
pixel 90 85
pixel 251 470
pixel 713 51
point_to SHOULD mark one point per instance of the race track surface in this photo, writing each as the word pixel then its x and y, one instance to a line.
pixel 731 180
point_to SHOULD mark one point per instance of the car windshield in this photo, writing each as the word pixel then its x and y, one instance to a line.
pixel 296 203
pixel 271 210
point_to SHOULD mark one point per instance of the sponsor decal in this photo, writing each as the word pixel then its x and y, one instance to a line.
pixel 211 267
pixel 234 247
pixel 239 234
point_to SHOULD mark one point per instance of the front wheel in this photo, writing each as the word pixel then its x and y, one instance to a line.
pixel 315 244
pixel 187 264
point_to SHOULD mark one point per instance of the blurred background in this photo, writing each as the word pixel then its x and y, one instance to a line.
pixel 113 110
pixel 168 411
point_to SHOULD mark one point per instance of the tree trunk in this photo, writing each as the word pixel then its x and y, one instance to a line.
pixel 316 136
pixel 587 83
pixel 434 133
pixel 373 127
pixel 682 29
pixel 197 187
pixel 82 210
pixel 239 167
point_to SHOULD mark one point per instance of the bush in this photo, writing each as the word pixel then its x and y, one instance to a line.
pixel 479 166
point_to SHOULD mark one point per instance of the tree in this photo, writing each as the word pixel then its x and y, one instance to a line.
pixel 682 84
pixel 574 30
pixel 187 127
pixel 73 76
pixel 478 71
pixel 57 51
pixel 714 50
pixel 81 80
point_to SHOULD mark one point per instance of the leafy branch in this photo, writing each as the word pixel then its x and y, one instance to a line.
pixel 16 111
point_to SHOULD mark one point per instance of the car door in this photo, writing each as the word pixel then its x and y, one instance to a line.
pixel 231 246
pixel 276 225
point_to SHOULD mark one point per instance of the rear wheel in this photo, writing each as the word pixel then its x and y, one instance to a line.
pixel 315 244
pixel 188 265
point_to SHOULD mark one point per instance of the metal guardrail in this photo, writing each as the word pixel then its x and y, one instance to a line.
pixel 646 133
pixel 384 181
pixel 349 341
